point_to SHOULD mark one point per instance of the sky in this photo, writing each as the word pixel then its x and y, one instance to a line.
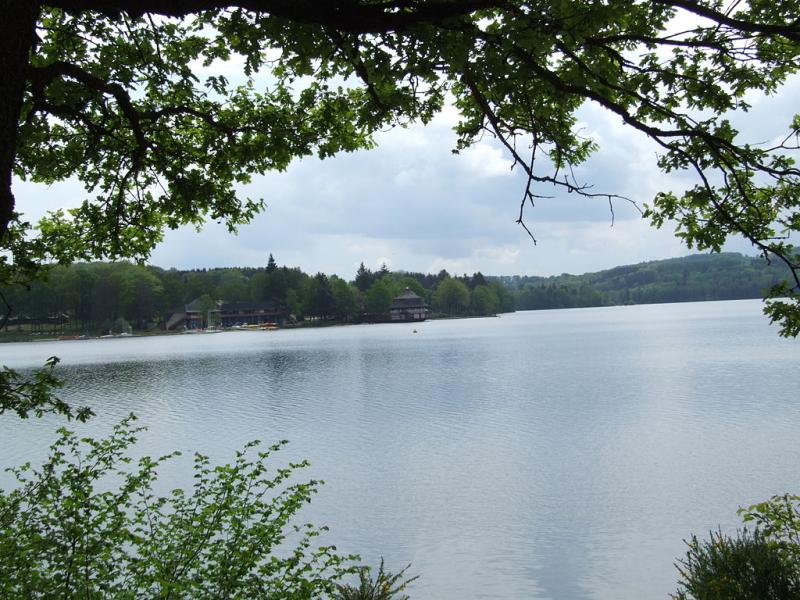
pixel 415 206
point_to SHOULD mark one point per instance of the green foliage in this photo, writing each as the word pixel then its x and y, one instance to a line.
pixel 379 296
pixel 179 145
pixel 779 519
pixel 484 300
pixel 763 564
pixel 385 586
pixel 451 296
pixel 206 303
pixel 504 296
pixel 91 294
pixel 783 308
pixel 88 524
pixel 34 394
pixel 233 286
pixel 726 276
pixel 750 566
pixel 130 103
pixel 271 264
pixel 345 298
pixel 364 278
pixel 319 300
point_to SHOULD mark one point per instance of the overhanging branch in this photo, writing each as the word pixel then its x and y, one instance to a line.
pixel 344 15
pixel 40 77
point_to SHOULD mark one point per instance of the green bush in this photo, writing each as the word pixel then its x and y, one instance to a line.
pixel 386 586
pixel 750 566
pixel 779 519
pixel 88 524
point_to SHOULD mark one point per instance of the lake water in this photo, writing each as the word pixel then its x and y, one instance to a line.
pixel 554 454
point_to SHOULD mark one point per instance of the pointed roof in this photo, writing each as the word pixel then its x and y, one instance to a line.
pixel 195 305
pixel 408 299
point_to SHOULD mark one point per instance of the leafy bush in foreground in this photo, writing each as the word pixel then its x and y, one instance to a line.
pixel 779 519
pixel 87 524
pixel 750 566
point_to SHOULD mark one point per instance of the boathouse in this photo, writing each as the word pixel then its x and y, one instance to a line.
pixel 251 313
pixel 408 307
pixel 226 314
pixel 191 316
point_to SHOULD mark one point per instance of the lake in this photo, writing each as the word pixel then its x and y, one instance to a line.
pixel 554 454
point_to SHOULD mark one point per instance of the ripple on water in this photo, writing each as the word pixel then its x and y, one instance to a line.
pixel 558 454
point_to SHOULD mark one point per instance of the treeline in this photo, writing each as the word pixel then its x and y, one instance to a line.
pixel 726 276
pixel 97 297
pixel 101 296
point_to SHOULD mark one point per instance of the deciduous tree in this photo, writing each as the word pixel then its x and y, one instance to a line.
pixel 109 91
pixel 345 298
pixel 379 296
pixel 484 300
pixel 451 296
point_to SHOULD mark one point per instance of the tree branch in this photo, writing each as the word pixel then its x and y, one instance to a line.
pixel 344 15
pixel 42 76
pixel 790 31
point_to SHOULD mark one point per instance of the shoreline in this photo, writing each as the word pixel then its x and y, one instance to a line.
pixel 14 337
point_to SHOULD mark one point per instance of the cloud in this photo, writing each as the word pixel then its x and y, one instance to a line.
pixel 500 255
pixel 417 206
pixel 483 160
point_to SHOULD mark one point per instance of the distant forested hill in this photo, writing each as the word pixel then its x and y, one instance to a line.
pixel 99 297
pixel 726 276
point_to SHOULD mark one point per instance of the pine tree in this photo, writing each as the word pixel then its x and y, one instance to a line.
pixel 364 278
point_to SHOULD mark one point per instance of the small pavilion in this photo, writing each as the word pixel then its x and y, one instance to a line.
pixel 408 307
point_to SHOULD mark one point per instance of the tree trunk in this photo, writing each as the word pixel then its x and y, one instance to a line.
pixel 17 37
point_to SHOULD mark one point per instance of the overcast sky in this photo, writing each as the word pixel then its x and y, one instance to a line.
pixel 415 206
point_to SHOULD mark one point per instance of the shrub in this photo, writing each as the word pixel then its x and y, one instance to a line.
pixel 779 519
pixel 750 566
pixel 87 524
pixel 386 586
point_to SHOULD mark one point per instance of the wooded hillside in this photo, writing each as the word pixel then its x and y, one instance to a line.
pixel 726 276
pixel 97 297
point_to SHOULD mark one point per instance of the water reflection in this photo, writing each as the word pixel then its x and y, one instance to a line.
pixel 560 454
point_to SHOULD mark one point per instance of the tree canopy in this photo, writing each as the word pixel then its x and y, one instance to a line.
pixel 115 93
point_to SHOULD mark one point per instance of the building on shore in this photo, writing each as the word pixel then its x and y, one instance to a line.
pixel 251 313
pixel 196 315
pixel 408 307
